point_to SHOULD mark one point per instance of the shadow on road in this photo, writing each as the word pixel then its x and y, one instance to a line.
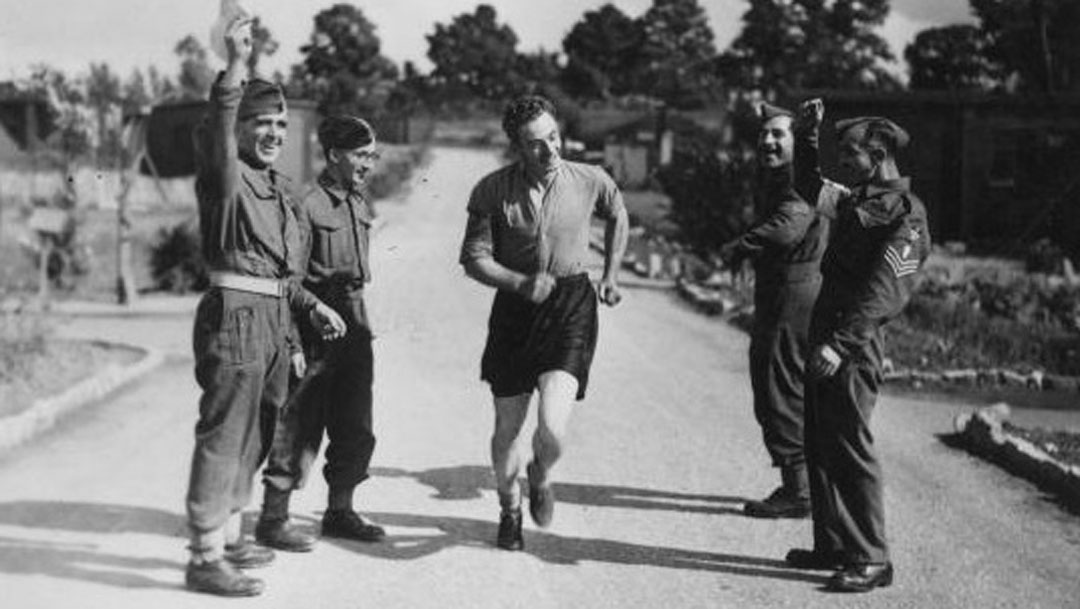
pixel 82 561
pixel 436 533
pixel 467 481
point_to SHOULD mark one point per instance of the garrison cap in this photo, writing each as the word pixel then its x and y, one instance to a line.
pixel 767 112
pixel 261 97
pixel 345 133
pixel 865 127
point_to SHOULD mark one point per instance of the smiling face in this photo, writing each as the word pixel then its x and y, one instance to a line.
pixel 776 144
pixel 351 167
pixel 540 145
pixel 260 138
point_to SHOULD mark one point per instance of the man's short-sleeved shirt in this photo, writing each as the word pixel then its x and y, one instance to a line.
pixel 528 228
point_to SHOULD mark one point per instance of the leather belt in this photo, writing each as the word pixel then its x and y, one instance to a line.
pixel 247 283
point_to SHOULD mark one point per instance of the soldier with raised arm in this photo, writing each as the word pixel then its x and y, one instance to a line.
pixel 880 240
pixel 243 323
pixel 785 246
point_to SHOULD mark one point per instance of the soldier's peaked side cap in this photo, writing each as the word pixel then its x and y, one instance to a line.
pixel 261 97
pixel 767 111
pixel 345 132
pixel 877 125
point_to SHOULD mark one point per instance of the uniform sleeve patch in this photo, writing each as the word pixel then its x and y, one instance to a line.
pixel 898 261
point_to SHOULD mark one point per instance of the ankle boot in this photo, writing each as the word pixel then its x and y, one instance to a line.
pixel 790 500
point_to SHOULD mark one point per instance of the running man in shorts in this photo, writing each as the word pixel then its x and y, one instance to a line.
pixel 528 237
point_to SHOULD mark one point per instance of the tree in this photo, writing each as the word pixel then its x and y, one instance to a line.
pixel 104 96
pixel 1037 40
pixel 476 52
pixel 602 53
pixel 263 44
pixel 196 76
pixel 800 44
pixel 953 57
pixel 342 67
pixel 677 53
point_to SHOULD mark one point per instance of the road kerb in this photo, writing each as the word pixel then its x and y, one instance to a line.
pixel 982 434
pixel 44 413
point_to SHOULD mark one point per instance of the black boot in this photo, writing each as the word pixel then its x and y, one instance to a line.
pixel 510 537
pixel 790 500
pixel 273 529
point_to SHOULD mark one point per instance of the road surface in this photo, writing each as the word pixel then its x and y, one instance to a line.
pixel 663 452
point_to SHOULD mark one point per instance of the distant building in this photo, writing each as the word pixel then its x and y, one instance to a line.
pixel 635 144
pixel 995 170
pixel 25 122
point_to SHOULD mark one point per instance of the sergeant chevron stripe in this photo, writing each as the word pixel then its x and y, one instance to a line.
pixel 898 265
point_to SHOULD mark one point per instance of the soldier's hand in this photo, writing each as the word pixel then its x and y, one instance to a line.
pixel 299 364
pixel 811 113
pixel 609 292
pixel 327 322
pixel 824 362
pixel 537 287
pixel 238 43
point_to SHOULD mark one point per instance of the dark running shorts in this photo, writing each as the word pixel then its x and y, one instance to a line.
pixel 526 340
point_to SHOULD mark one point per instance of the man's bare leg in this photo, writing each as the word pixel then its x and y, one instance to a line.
pixel 507 448
pixel 558 389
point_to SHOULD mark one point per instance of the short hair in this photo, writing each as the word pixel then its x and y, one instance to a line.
pixel 523 110
pixel 345 133
pixel 874 130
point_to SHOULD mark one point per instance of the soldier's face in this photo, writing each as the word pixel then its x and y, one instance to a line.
pixel 540 144
pixel 261 137
pixel 857 166
pixel 776 145
pixel 354 165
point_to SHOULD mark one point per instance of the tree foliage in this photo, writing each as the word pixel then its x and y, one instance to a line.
pixel 602 51
pixel 263 44
pixel 801 44
pixel 476 53
pixel 343 68
pixel 1037 41
pixel 953 57
pixel 196 75
pixel 677 54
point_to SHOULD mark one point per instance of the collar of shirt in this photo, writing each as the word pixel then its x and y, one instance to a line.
pixel 264 183
pixel 339 194
pixel 543 183
pixel 880 204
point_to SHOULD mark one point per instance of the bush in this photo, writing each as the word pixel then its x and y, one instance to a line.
pixel 711 197
pixel 22 340
pixel 176 262
pixel 1023 324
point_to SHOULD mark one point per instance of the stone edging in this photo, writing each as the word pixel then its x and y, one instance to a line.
pixel 982 434
pixel 45 412
pixel 970 377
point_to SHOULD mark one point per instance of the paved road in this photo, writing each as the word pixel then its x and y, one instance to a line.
pixel 664 451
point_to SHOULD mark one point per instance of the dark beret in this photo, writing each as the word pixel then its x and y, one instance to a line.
pixel 865 127
pixel 345 133
pixel 768 112
pixel 261 97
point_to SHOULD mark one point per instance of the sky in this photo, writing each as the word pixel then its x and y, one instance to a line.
pixel 69 34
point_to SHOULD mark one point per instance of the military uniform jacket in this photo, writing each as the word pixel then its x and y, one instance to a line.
pixel 245 220
pixel 335 225
pixel 880 241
